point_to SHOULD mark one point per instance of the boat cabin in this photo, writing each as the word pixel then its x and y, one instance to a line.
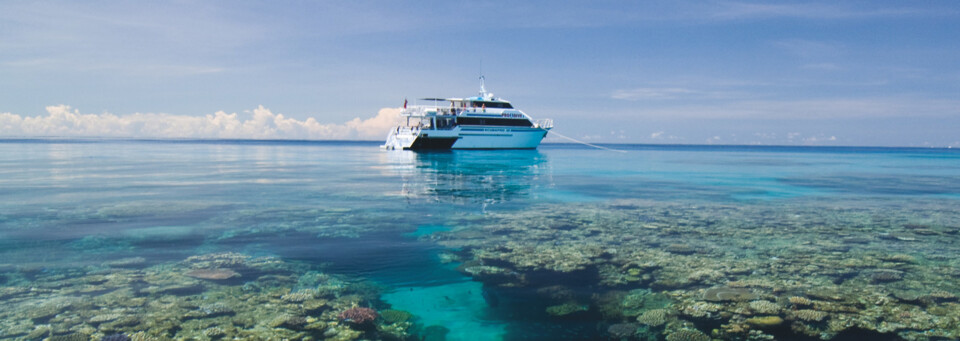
pixel 474 111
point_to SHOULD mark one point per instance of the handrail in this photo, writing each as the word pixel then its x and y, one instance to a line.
pixel 544 123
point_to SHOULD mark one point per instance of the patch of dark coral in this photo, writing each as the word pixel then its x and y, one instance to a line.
pixel 116 337
pixel 856 334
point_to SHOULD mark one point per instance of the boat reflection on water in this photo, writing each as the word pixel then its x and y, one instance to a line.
pixel 469 176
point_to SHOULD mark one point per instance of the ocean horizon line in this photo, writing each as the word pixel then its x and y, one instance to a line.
pixel 550 145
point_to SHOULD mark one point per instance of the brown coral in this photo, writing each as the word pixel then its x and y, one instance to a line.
pixel 687 334
pixel 810 315
pixel 942 296
pixel 764 307
pixel 299 296
pixel 358 315
pixel 800 301
pixel 653 318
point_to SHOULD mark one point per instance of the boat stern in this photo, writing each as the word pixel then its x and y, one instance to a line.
pixel 413 138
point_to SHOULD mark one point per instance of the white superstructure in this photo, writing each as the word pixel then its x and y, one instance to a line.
pixel 481 122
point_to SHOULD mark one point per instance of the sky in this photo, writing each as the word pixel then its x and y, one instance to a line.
pixel 848 73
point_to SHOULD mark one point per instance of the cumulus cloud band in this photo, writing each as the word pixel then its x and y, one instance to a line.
pixel 63 121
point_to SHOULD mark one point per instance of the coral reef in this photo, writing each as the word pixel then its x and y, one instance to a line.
pixel 821 268
pixel 167 301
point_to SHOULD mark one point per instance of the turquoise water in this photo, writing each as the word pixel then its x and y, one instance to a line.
pixel 272 240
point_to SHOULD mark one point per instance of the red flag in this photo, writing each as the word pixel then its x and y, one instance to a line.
pixel 404 103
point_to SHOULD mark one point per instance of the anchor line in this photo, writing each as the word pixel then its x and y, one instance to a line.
pixel 586 143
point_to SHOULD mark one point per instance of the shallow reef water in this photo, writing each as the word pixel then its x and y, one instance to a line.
pixel 294 240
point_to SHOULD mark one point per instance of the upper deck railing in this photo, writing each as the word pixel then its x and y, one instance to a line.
pixel 430 110
pixel 544 123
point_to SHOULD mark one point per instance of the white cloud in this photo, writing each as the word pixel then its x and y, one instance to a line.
pixel 61 120
pixel 664 137
pixel 796 137
pixel 819 138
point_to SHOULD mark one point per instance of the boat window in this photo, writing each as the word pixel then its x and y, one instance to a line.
pixel 445 123
pixel 502 105
pixel 494 121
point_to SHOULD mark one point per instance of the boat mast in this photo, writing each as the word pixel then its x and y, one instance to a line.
pixel 483 90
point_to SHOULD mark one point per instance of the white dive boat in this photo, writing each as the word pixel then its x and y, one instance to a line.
pixel 481 122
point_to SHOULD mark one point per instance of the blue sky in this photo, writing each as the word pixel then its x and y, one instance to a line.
pixel 724 72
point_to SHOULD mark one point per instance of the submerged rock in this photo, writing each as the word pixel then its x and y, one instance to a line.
pixel 213 274
pixel 132 262
pixel 883 276
pixel 727 294
pixel 681 249
pixel 435 333
pixel 622 330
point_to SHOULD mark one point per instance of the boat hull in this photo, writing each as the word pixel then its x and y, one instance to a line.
pixel 467 137
pixel 475 137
